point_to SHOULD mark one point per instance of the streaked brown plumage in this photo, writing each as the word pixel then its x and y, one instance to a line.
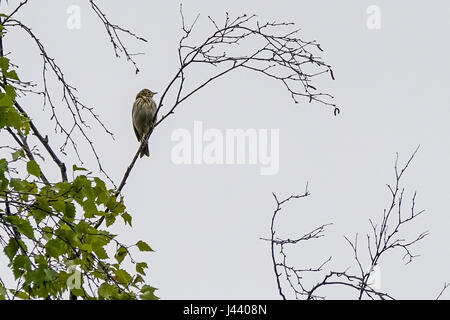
pixel 143 113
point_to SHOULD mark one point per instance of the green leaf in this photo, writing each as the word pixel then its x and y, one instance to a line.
pixel 11 249
pixel 98 246
pixel 65 233
pixel 148 293
pixel 26 228
pixel 17 154
pixel 86 247
pixel 10 91
pixel 41 209
pixel 143 246
pixel 59 205
pixel 7 101
pixel 110 219
pixel 123 277
pixel 55 247
pixel 138 279
pixel 30 187
pixel 3 165
pixel 20 294
pixel 17 184
pixel 48 232
pixel 121 254
pixel 33 168
pixel 22 262
pixel 4 63
pixel 76 168
pixel 2 292
pixel 63 187
pixel 20 265
pixel 99 274
pixel 101 192
pixel 38 215
pixel 124 296
pixel 37 276
pixel 50 274
pixel 106 291
pixel 78 292
pixel 40 260
pixel 140 266
pixel 100 185
pixel 3 182
pixel 11 75
pixel 69 212
pixel 82 189
pixel 126 218
pixel 83 227
pixel 90 209
pixel 100 252
pixel 23 226
pixel 115 206
pixel 9 117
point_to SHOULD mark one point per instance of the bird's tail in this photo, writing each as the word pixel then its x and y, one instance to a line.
pixel 145 151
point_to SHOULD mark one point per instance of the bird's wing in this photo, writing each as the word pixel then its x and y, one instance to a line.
pixel 136 132
pixel 153 108
pixel 132 120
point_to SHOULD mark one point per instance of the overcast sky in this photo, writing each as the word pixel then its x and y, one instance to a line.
pixel 205 221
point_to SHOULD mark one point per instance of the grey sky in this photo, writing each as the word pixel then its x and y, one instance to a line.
pixel 204 222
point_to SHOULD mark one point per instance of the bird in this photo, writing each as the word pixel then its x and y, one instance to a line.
pixel 143 116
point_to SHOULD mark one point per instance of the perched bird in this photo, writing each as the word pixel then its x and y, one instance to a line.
pixel 143 114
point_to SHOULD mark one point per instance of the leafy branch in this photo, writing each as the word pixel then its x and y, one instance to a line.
pixel 47 228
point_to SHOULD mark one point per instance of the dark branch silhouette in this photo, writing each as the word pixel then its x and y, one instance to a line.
pixel 277 242
pixel 272 49
pixel 386 235
pixel 114 31
pixel 78 110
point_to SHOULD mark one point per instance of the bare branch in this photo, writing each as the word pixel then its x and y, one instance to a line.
pixel 281 55
pixel 71 102
pixel 113 31
pixel 385 236
pixel 288 270
pixel 446 285
pixel 21 4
